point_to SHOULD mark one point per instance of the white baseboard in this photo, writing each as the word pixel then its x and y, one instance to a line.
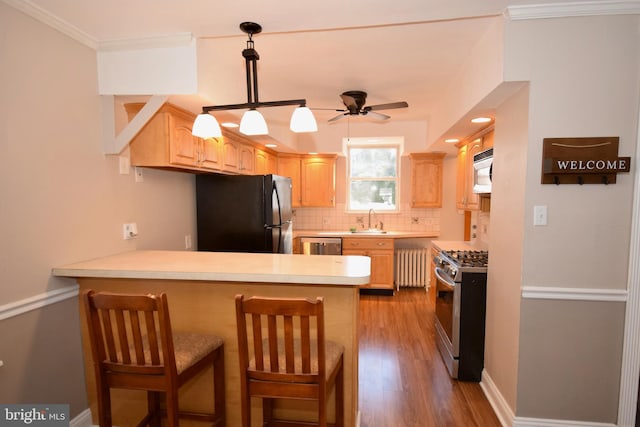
pixel 83 419
pixel 539 422
pixel 498 403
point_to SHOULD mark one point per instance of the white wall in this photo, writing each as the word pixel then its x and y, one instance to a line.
pixel 505 245
pixel 584 81
pixel 63 201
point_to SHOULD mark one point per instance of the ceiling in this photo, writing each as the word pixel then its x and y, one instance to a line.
pixel 401 50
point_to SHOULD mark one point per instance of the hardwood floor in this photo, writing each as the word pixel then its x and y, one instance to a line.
pixel 403 380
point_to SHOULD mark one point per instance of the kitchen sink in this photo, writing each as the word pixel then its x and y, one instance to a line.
pixel 369 231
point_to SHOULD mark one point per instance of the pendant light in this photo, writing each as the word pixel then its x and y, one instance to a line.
pixel 253 123
pixel 206 126
pixel 302 120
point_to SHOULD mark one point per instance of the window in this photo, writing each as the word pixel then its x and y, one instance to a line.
pixel 373 176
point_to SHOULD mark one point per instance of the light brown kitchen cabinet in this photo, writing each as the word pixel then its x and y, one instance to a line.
pixel 296 246
pixel 265 162
pixel 380 250
pixel 237 156
pixel 426 180
pixel 289 165
pixel 318 174
pixel 466 199
pixel 166 141
pixel 312 179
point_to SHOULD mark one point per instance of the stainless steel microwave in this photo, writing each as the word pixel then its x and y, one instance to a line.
pixel 482 171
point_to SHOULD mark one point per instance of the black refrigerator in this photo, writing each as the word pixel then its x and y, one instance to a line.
pixel 244 213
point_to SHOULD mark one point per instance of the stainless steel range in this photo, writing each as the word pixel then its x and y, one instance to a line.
pixel 461 288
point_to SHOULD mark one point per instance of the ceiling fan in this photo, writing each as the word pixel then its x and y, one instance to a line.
pixel 354 101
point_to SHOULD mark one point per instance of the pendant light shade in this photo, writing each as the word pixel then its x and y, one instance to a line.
pixel 253 123
pixel 206 126
pixel 302 120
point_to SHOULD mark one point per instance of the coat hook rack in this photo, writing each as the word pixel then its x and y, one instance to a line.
pixel 590 160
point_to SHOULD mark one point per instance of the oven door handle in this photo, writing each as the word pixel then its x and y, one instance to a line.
pixel 442 277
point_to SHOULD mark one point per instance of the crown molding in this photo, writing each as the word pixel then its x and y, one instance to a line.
pixel 36 12
pixel 156 42
pixel 573 9
pixel 53 21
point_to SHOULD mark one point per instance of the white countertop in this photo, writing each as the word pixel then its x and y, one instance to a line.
pixel 224 266
pixel 458 245
pixel 388 234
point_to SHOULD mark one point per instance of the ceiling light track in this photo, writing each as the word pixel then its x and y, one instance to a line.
pixel 252 123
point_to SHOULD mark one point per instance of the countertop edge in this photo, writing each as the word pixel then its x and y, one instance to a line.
pixel 223 267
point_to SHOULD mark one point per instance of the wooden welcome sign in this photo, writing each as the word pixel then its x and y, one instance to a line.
pixel 582 160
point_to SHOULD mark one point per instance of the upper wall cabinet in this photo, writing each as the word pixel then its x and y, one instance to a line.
pixel 313 179
pixel 426 180
pixel 266 162
pixel 466 199
pixel 166 141
pixel 237 156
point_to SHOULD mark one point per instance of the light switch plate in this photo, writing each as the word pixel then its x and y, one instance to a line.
pixel 124 164
pixel 540 215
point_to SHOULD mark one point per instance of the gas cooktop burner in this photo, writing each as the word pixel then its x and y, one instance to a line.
pixel 469 258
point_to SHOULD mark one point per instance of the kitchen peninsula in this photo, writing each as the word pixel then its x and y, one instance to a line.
pixel 201 287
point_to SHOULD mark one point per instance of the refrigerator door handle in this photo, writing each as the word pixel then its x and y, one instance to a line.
pixel 272 226
pixel 274 189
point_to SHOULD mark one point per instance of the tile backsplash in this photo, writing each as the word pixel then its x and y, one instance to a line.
pixel 337 219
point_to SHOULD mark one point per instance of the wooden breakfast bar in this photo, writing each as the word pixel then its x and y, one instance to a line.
pixel 201 287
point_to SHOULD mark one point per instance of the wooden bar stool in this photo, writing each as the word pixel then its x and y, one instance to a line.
pixel 284 355
pixel 133 347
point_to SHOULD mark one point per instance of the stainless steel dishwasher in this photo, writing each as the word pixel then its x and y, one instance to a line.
pixel 321 245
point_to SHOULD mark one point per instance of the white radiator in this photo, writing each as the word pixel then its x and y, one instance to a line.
pixel 412 267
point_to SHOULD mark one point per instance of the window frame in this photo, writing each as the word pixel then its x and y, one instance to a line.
pixel 398 146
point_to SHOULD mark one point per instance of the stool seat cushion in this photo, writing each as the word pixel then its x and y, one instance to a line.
pixel 190 348
pixel 333 351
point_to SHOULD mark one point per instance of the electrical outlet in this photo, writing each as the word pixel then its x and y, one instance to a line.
pixel 129 231
pixel 187 241
pixel 138 173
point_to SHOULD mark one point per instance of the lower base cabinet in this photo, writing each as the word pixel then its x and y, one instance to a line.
pixel 381 253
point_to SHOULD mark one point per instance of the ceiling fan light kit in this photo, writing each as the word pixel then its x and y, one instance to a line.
pixel 253 122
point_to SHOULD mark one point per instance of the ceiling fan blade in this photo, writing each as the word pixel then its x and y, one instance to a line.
pixel 379 116
pixel 338 117
pixel 389 106
pixel 328 109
